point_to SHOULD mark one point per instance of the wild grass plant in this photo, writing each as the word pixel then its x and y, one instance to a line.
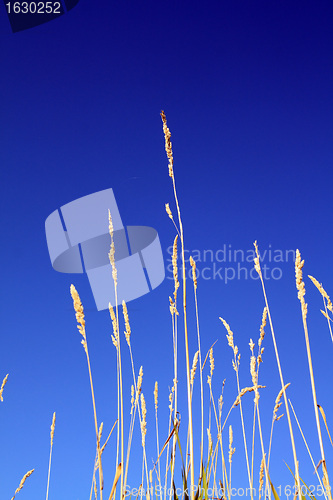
pixel 203 461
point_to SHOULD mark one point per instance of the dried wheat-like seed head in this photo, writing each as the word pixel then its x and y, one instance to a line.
pixel 244 391
pixel 23 480
pixel 100 432
pixel 251 344
pixel 230 335
pixel 127 324
pixel 194 272
pixel 139 385
pixel 231 439
pixel 326 315
pixel 168 211
pixel 326 482
pixel 194 367
pixel 112 251
pixel 115 336
pixel 278 402
pixel 4 382
pixel 323 293
pixel 299 282
pixel 175 268
pixel 53 427
pixel 78 307
pixel 173 309
pixel 254 374
pixel 95 488
pixel 144 420
pixel 156 395
pixel 211 361
pixel 257 260
pixel 110 225
pixel 261 475
pixel 168 144
pixel 262 326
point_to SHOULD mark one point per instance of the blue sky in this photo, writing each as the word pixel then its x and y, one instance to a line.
pixel 247 89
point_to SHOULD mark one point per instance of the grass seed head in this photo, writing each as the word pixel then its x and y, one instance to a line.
pixel 78 307
pixel 156 395
pixel 168 144
pixel 23 480
pixel 52 428
pixel 144 420
pixel 194 272
pixel 194 367
pixel 299 282
pixel 127 324
pixel 4 382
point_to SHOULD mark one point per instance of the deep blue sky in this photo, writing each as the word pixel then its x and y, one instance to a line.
pixel 247 89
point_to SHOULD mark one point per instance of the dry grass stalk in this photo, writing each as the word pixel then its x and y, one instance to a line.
pixel 210 441
pixel 51 446
pixel 258 269
pixel 157 436
pixel 195 286
pixel 168 149
pixel 4 382
pixel 23 480
pixel 115 481
pixel 278 402
pixel 323 293
pixel 235 364
pixel 78 307
pixel 116 342
pixel 301 292
pixel 327 303
pixel 307 446
pixel 93 485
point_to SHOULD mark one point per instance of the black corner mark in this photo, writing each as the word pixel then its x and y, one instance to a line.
pixel 24 14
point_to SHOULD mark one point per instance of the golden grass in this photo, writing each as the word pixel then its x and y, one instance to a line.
pixel 50 458
pixel 23 480
pixel 216 470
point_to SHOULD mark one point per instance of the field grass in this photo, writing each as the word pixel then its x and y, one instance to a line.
pixel 201 464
